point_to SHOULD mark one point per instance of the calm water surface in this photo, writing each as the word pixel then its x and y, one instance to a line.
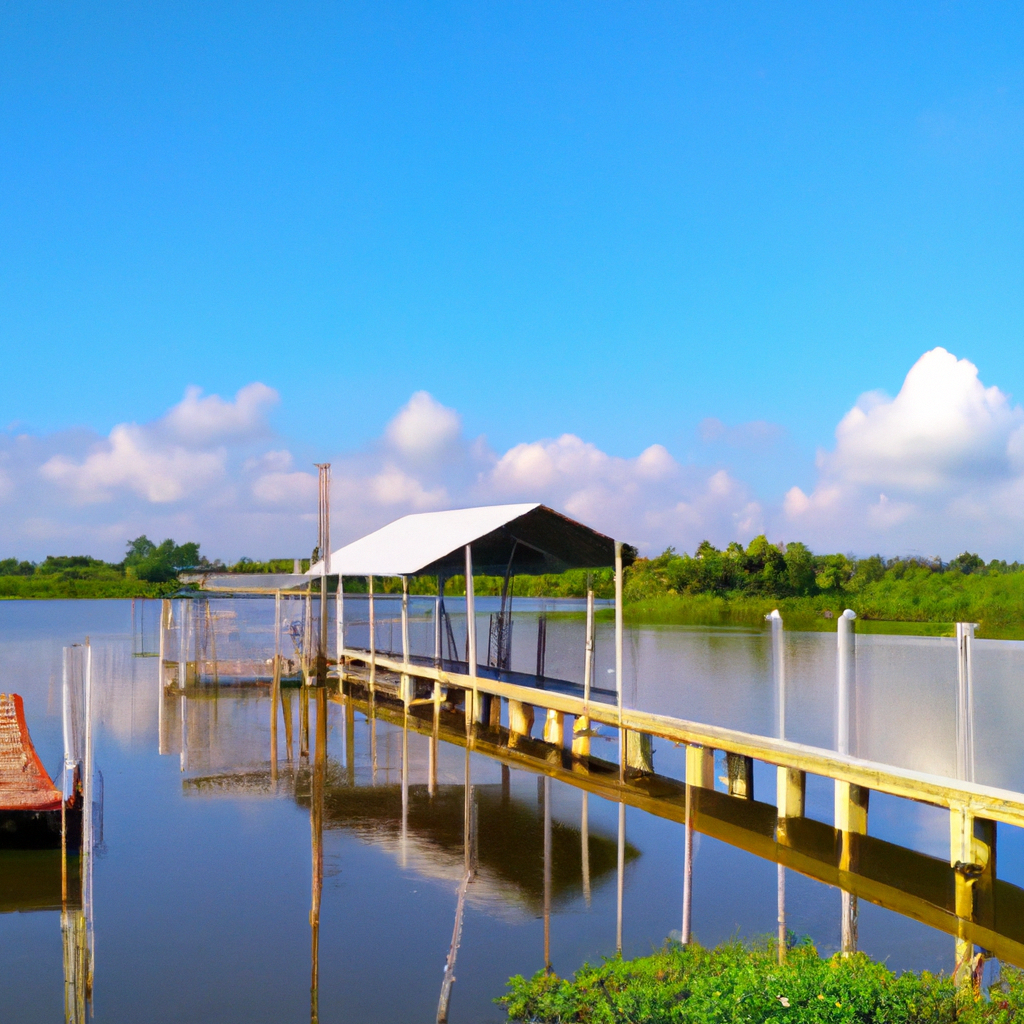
pixel 203 882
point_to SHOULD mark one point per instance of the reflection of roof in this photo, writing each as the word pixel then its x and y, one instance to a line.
pixel 32 880
pixel 540 539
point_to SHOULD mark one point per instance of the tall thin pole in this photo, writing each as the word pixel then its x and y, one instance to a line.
pixel 407 684
pixel 965 701
pixel 585 845
pixel 621 877
pixel 373 640
pixel 547 872
pixel 618 654
pixel 324 544
pixel 684 936
pixel 471 698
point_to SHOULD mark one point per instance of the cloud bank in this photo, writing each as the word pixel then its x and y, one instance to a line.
pixel 936 469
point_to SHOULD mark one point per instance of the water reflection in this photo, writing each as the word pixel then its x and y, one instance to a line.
pixel 384 796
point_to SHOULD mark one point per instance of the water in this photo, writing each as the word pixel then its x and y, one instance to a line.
pixel 203 883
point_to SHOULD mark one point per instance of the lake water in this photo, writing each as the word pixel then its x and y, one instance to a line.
pixel 204 879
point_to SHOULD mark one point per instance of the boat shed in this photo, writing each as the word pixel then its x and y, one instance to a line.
pixel 528 539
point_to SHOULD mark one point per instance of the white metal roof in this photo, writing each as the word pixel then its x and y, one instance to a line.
pixel 536 537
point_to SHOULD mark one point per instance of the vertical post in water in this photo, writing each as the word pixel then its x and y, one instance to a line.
pixel 373 639
pixel 585 845
pixel 406 684
pixel 85 857
pixel 965 701
pixel 339 628
pixel 437 641
pixel 547 872
pixel 618 653
pixel 324 544
pixel 851 801
pixel 700 774
pixel 784 779
pixel 472 700
pixel 581 742
pixel 844 678
pixel 275 688
pixel 620 877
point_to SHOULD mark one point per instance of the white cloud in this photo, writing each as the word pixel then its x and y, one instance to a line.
pixel 201 422
pixel 937 468
pixel 424 429
pixel 132 458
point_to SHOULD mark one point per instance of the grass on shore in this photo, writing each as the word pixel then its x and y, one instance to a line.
pixel 745 983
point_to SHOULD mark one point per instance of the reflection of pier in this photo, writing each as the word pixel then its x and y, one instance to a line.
pixel 444 688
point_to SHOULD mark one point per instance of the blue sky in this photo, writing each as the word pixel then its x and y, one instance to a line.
pixel 613 221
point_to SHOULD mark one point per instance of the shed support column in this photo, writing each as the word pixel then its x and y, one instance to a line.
pixel 475 710
pixel 972 853
pixel 339 626
pixel 407 682
pixel 741 775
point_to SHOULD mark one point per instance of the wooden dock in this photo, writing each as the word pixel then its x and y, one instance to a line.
pixel 963 897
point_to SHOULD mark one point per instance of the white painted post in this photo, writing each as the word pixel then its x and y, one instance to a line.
pixel 339 625
pixel 779 672
pixel 618 653
pixel 844 678
pixel 406 678
pixel 373 641
pixel 588 665
pixel 965 701
pixel 621 877
pixel 470 611
pixel 473 710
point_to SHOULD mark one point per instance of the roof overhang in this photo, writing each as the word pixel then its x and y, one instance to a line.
pixel 530 538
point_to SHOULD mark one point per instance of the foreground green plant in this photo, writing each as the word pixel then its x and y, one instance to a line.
pixel 740 983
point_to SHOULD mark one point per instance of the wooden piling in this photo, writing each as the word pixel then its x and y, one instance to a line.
pixel 520 720
pixel 554 728
pixel 741 775
pixel 639 752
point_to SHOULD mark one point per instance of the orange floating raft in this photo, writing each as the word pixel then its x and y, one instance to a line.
pixel 24 783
